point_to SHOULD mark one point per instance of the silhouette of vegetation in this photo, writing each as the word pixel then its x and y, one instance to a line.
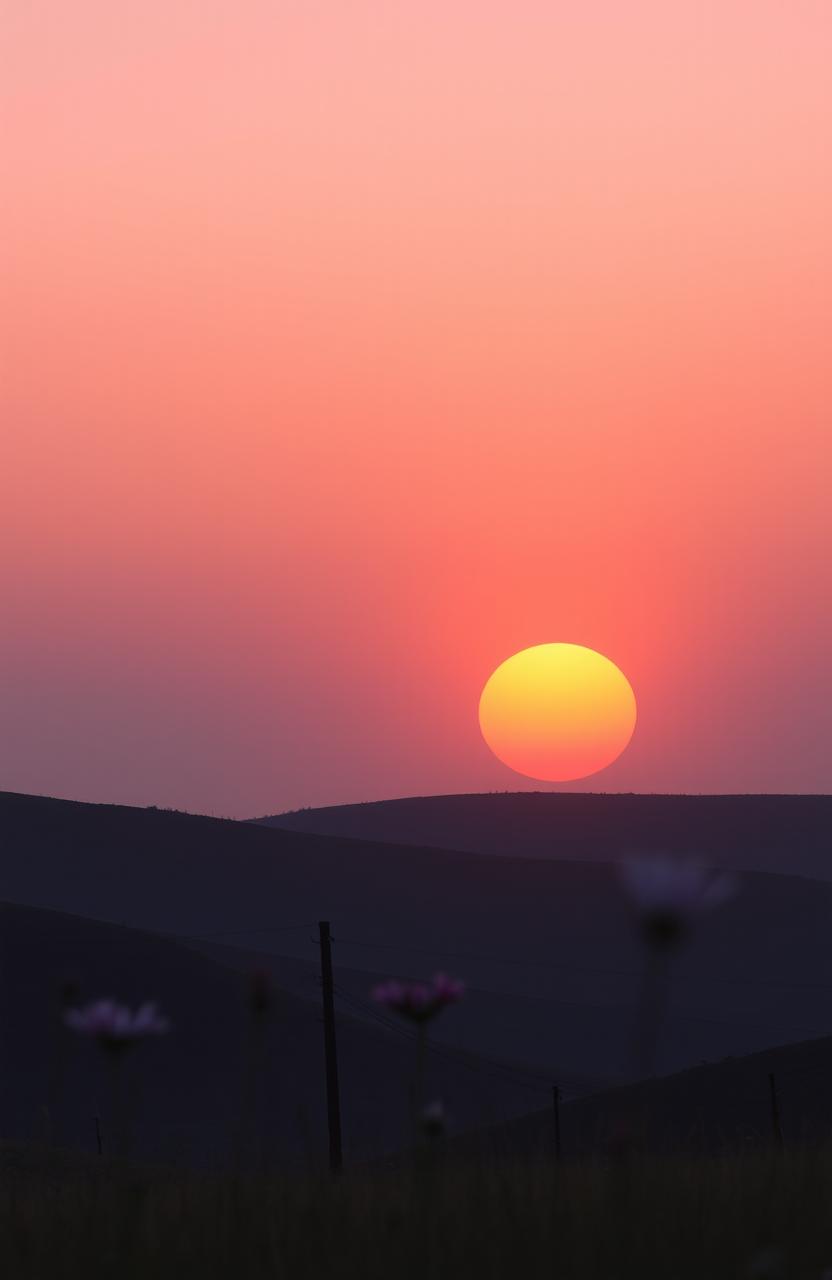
pixel 734 1217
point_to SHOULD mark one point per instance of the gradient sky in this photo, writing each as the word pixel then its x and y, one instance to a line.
pixel 350 347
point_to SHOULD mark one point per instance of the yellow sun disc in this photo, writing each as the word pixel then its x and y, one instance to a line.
pixel 557 712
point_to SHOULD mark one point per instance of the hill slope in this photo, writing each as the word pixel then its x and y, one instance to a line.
pixel 786 834
pixel 547 947
pixel 190 1084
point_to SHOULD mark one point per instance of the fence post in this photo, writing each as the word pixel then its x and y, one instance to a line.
pixel 333 1099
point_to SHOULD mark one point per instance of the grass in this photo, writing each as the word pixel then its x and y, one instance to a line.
pixel 757 1216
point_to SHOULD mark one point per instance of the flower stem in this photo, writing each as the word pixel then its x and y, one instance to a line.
pixel 652 1010
pixel 419 1078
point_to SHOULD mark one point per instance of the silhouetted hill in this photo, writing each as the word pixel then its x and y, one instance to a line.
pixel 786 834
pixel 717 1106
pixel 189 1083
pixel 547 947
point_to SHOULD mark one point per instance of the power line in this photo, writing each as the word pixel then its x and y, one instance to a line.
pixel 472 1061
pixel 437 952
pixel 288 927
pixel 445 1051
pixel 127 931
pixel 232 933
pixel 600 971
pixel 672 1013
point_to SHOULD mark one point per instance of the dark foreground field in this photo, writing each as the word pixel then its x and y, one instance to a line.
pixel 756 1216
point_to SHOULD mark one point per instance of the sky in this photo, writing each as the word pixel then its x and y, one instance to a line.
pixel 349 348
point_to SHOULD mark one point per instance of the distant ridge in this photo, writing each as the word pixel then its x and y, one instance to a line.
pixel 787 834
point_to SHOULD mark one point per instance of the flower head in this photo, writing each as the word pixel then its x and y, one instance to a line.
pixel 115 1025
pixel 419 1001
pixel 669 895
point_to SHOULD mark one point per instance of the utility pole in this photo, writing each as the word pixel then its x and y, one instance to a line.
pixel 776 1128
pixel 556 1111
pixel 333 1101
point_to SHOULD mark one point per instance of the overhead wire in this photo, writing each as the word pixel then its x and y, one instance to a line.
pixel 473 1062
pixel 597 970
pixel 439 952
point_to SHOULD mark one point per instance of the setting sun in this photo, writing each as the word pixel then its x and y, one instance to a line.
pixel 557 712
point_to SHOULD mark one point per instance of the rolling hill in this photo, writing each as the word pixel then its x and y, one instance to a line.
pixel 547 947
pixel 781 834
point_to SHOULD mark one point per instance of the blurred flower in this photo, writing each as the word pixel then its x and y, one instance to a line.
pixel 669 894
pixel 434 1120
pixel 115 1025
pixel 419 1001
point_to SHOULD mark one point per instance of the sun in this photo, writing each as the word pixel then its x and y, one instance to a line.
pixel 557 712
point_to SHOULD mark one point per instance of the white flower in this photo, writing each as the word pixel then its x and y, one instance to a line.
pixel 115 1025
pixel 669 894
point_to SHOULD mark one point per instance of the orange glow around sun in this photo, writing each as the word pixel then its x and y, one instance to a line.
pixel 557 712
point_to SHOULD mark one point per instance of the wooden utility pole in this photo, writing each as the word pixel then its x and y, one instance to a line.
pixel 333 1100
pixel 776 1128
pixel 556 1114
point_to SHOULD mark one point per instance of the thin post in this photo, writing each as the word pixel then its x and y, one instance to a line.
pixel 556 1115
pixel 776 1128
pixel 333 1100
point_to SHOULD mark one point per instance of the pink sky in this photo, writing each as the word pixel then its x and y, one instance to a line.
pixel 349 348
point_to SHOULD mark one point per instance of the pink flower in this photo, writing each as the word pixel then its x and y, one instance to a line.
pixel 419 1001
pixel 115 1025
pixel 448 990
